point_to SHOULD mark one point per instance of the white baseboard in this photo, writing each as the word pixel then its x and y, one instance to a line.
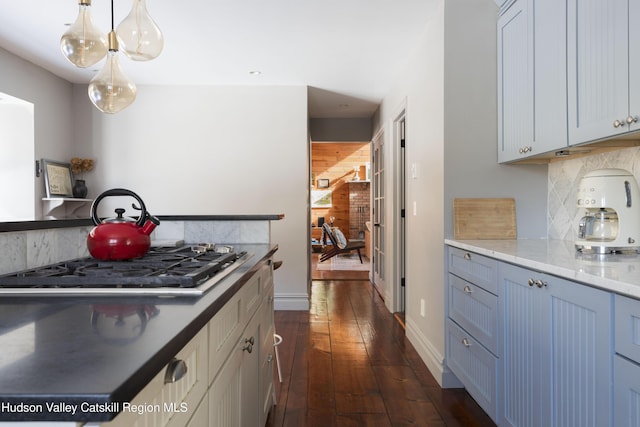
pixel 291 302
pixel 431 357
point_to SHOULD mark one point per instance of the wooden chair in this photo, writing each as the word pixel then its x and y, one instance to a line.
pixel 338 246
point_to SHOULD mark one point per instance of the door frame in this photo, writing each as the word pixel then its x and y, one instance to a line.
pixel 398 201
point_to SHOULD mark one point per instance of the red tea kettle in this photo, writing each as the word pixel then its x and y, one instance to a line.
pixel 120 238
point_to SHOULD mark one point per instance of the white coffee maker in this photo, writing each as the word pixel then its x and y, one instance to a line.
pixel 611 223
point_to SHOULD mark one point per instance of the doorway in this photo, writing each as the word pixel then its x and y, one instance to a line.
pixel 341 197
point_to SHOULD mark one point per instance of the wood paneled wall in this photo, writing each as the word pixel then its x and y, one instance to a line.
pixel 335 161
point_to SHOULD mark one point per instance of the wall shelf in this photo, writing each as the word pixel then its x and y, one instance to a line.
pixel 65 207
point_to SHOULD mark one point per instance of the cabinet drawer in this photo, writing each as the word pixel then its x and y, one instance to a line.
pixel 626 393
pixel 224 331
pixel 475 366
pixel 476 310
pixel 627 327
pixel 252 293
pixel 474 268
pixel 171 404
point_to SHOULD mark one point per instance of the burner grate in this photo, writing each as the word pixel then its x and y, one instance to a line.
pixel 173 268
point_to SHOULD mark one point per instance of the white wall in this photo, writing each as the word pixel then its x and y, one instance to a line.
pixel 449 91
pixel 53 119
pixel 17 146
pixel 194 150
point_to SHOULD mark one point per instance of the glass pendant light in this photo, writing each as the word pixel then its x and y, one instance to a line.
pixel 83 44
pixel 110 90
pixel 140 37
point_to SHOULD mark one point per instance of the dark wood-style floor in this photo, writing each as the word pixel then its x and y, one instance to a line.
pixel 347 362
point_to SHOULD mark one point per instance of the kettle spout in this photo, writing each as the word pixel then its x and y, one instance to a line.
pixel 150 225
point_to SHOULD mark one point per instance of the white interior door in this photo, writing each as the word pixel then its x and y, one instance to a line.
pixel 378 214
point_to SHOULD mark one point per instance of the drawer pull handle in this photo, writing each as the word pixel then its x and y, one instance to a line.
pixel 467 256
pixel 465 342
pixel 176 369
pixel 467 289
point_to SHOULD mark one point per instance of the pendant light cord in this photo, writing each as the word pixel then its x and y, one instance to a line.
pixel 112 15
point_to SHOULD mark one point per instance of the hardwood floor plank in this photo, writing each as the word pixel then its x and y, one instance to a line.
pixel 347 362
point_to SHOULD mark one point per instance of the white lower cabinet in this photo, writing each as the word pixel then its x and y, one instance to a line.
pixel 240 393
pixel 229 371
pixel 173 396
pixel 234 394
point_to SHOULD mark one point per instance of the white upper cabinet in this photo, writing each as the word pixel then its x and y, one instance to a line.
pixel 603 98
pixel 532 96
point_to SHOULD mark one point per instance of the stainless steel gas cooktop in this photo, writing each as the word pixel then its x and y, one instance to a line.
pixel 189 270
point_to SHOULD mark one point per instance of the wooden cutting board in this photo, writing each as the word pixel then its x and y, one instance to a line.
pixel 484 219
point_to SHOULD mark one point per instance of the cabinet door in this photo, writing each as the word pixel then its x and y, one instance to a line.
pixel 597 68
pixel 515 82
pixel 234 393
pixel 521 351
pixel 577 331
pixel 634 63
pixel 550 75
pixel 555 351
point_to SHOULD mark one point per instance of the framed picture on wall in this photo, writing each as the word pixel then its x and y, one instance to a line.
pixel 58 178
pixel 323 183
pixel 320 198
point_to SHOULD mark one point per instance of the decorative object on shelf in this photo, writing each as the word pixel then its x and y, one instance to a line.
pixel 356 173
pixel 323 183
pixel 79 189
pixel 321 198
pixel 110 90
pixel 57 178
pixel 78 166
pixel 83 44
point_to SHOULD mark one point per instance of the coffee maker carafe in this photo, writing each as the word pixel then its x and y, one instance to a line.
pixel 611 222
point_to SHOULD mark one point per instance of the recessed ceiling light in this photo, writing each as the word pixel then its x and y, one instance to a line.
pixel 255 72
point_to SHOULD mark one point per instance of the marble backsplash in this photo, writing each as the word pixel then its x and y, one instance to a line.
pixel 22 250
pixel 563 179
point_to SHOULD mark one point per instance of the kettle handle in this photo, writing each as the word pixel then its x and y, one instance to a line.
pixel 119 192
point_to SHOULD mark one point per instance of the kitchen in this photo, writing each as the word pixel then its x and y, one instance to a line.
pixel 435 88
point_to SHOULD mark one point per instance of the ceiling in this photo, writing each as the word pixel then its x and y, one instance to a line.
pixel 349 52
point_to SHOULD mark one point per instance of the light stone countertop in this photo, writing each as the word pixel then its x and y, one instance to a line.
pixel 618 273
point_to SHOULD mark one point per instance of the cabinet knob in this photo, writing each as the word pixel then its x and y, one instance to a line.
pixel 465 342
pixel 248 345
pixel 467 289
pixel 467 256
pixel 631 119
pixel 618 123
pixel 531 282
pixel 525 150
pixel 540 283
pixel 176 369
